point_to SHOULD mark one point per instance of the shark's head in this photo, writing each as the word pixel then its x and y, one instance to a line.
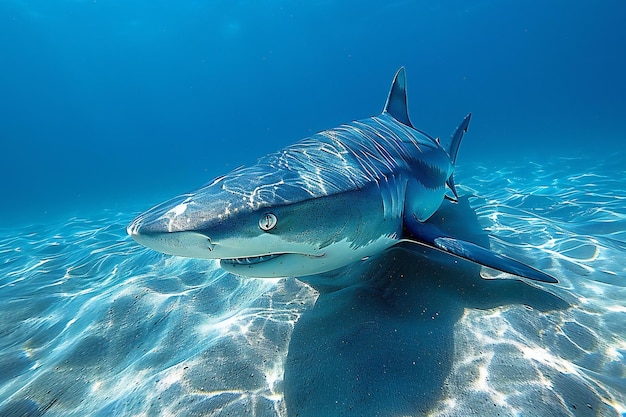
pixel 265 226
pixel 312 207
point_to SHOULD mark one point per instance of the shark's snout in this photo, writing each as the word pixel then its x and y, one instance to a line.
pixel 147 224
pixel 144 227
pixel 156 235
pixel 134 228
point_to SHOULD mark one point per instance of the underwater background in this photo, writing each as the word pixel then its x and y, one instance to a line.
pixel 108 108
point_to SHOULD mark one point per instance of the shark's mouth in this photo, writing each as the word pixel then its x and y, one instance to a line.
pixel 252 259
pixel 276 265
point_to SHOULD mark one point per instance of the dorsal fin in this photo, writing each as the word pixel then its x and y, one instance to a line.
pixel 453 149
pixel 396 104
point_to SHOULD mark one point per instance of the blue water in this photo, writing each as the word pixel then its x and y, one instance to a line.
pixel 107 108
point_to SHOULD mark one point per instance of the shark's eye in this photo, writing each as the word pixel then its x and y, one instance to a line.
pixel 268 222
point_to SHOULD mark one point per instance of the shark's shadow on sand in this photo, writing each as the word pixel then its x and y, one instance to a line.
pixel 384 345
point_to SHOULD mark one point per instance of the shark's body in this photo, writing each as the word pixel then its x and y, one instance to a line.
pixel 337 197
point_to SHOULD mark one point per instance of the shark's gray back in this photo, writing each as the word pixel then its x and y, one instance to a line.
pixel 337 160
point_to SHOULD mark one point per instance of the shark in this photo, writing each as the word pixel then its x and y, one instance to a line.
pixel 340 196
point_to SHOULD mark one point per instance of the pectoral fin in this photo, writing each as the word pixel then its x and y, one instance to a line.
pixel 429 235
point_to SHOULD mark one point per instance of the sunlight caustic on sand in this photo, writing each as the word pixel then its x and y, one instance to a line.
pixel 93 324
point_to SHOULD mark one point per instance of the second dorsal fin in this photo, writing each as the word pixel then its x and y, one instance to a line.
pixel 396 105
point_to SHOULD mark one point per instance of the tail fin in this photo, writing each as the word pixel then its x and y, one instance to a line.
pixel 453 149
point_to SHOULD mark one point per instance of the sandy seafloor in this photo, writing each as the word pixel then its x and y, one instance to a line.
pixel 92 324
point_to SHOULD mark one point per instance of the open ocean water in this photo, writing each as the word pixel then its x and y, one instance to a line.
pixel 109 107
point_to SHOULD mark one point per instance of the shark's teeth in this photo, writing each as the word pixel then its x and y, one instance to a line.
pixel 251 260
